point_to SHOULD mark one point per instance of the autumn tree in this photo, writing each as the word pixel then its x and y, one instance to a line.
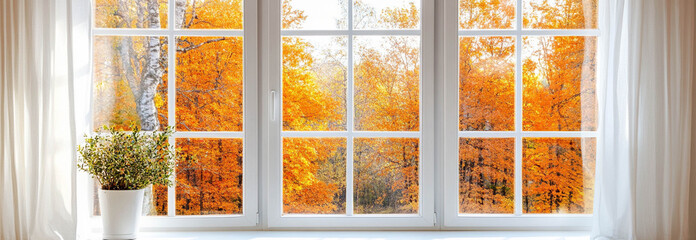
pixel 131 87
pixel 313 100
pixel 558 77
pixel 386 99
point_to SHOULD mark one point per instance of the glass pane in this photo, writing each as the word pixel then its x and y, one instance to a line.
pixel 123 93
pixel 486 14
pixel 154 201
pixel 130 14
pixel 209 14
pixel 314 83
pixel 486 175
pixel 558 175
pixel 314 175
pixel 386 14
pixel 385 175
pixel 209 83
pixel 387 83
pixel 560 14
pixel 559 75
pixel 486 83
pixel 315 14
pixel 209 176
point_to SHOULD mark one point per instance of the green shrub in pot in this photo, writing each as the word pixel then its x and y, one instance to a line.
pixel 124 164
pixel 128 160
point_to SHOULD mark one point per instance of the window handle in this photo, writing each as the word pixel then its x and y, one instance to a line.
pixel 273 106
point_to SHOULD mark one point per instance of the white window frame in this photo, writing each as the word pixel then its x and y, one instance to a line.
pixel 249 134
pixel 425 217
pixel 262 111
pixel 516 221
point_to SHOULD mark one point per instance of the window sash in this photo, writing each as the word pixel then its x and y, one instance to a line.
pixel 425 216
pixel 453 219
pixel 249 133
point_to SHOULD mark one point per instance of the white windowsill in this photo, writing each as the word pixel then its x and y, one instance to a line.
pixel 365 235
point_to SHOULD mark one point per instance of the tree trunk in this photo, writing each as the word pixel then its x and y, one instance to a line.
pixel 180 13
pixel 151 75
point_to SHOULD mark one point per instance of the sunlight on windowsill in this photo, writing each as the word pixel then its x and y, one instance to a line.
pixel 366 235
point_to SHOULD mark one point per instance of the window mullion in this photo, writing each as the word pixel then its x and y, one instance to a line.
pixel 171 104
pixel 349 118
pixel 519 85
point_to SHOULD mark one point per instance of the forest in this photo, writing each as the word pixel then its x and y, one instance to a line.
pixel 131 73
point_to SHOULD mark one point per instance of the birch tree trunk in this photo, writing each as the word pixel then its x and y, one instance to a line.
pixel 180 13
pixel 151 74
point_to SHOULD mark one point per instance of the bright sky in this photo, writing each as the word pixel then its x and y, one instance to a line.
pixel 324 14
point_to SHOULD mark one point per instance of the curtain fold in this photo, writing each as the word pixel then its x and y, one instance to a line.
pixel 646 120
pixel 37 173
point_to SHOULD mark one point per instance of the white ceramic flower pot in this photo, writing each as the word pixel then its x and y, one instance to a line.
pixel 120 211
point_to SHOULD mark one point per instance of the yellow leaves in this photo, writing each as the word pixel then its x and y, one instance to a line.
pixel 486 14
pixel 214 14
pixel 560 14
pixel 209 177
pixel 209 83
pixel 401 18
pixel 486 175
pixel 306 186
pixel 486 83
pixel 387 84
pixel 558 173
pixel 559 83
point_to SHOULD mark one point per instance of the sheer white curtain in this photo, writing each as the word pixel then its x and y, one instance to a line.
pixel 37 198
pixel 643 178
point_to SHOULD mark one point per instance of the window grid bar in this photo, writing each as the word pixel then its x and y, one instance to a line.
pixel 351 134
pixel 350 31
pixel 221 134
pixel 527 134
pixel 350 179
pixel 529 32
pixel 171 104
pixel 166 32
pixel 518 110
pixel 530 215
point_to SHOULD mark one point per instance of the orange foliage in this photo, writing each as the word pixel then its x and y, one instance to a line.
pixel 486 175
pixel 209 90
pixel 314 175
pixel 558 76
pixel 559 95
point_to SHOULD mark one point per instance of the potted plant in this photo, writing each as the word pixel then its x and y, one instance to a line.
pixel 124 164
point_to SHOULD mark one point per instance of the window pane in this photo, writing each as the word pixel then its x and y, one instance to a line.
pixel 315 14
pixel 486 175
pixel 314 175
pixel 385 174
pixel 486 83
pixel 130 14
pixel 559 75
pixel 209 76
pixel 314 83
pixel 386 14
pixel 560 14
pixel 123 93
pixel 209 14
pixel 558 175
pixel 387 83
pixel 154 201
pixel 209 176
pixel 486 14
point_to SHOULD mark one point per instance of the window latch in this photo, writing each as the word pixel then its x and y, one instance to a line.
pixel 273 106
